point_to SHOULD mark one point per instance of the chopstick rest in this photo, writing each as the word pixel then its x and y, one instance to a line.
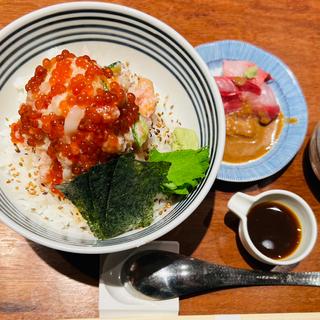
pixel 115 301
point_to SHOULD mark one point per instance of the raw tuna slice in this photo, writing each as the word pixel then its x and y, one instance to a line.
pixel 230 94
pixel 244 84
pixel 232 104
pixel 226 86
pixel 265 105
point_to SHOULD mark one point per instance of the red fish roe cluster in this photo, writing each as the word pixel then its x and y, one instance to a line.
pixel 108 112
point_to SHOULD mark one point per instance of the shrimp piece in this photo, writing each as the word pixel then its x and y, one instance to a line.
pixel 146 98
pixel 44 165
pixel 112 144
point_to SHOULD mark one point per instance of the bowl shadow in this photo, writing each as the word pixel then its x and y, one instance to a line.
pixel 85 268
pixel 191 231
pixel 80 267
pixel 311 178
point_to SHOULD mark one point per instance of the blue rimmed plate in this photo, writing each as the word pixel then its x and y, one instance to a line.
pixel 289 96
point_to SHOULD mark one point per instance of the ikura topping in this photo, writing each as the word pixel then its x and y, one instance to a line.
pixel 78 114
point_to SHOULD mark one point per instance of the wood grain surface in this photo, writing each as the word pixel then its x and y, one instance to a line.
pixel 40 283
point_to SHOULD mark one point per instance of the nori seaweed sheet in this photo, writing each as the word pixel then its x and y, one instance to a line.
pixel 78 192
pixel 131 195
pixel 100 177
pixel 117 196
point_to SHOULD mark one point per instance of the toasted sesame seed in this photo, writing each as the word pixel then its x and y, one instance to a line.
pixel 17 148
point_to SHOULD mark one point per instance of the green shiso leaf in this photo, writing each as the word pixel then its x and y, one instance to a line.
pixel 133 189
pixel 187 168
pixel 78 192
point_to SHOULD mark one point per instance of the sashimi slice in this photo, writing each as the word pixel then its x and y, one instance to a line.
pixel 239 68
pixel 265 105
pixel 232 105
pixel 235 68
pixel 226 86
pixel 244 84
pixel 230 94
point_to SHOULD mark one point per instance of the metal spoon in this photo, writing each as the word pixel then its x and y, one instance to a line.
pixel 163 275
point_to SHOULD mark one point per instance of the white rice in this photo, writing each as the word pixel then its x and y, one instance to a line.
pixel 20 179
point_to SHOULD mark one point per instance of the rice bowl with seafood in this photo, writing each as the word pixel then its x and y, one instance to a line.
pixel 75 115
pixel 160 102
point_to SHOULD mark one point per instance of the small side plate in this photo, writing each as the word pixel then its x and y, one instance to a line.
pixel 289 96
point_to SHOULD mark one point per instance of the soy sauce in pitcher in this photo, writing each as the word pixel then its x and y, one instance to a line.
pixel 274 229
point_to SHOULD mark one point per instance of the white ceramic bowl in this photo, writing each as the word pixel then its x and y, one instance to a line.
pixel 108 33
pixel 241 203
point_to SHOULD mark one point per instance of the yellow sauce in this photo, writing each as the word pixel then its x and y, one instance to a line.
pixel 291 120
pixel 247 139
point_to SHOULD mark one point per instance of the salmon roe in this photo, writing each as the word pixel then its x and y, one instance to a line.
pixel 60 85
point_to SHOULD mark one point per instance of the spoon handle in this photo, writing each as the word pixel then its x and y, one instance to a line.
pixel 221 276
pixel 202 276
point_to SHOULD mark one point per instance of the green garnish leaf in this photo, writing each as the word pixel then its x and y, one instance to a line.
pixel 113 64
pixel 140 131
pixel 187 168
pixel 105 86
pixel 251 72
pixel 115 67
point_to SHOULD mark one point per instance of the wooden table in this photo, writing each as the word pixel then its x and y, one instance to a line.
pixel 38 283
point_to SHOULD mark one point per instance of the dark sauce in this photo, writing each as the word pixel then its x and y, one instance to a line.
pixel 274 229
